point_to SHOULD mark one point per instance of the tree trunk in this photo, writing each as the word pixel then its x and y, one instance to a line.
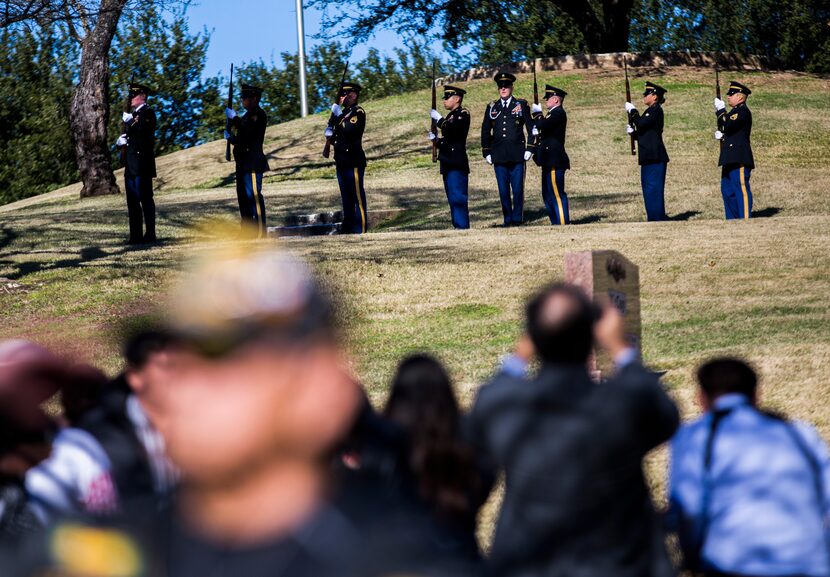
pixel 90 104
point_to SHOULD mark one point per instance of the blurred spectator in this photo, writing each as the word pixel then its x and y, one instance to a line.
pixel 81 392
pixel 446 475
pixel 575 501
pixel 748 489
pixel 29 375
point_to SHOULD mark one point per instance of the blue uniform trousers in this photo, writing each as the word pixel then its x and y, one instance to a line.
pixel 455 185
pixel 353 196
pixel 653 180
pixel 511 176
pixel 734 186
pixel 251 202
pixel 553 193
pixel 140 203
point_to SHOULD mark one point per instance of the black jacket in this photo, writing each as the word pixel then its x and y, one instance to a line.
pixel 141 142
pixel 576 502
pixel 550 148
pixel 348 138
pixel 503 131
pixel 648 130
pixel 452 145
pixel 247 142
pixel 112 428
pixel 736 126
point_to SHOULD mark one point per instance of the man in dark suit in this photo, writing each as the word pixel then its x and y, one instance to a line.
pixel 575 502
pixel 452 153
pixel 504 146
pixel 653 158
pixel 346 126
pixel 250 158
pixel 734 129
pixel 551 155
pixel 140 170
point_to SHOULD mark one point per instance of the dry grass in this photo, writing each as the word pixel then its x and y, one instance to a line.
pixel 757 289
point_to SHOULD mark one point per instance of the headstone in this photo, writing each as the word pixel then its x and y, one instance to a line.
pixel 608 274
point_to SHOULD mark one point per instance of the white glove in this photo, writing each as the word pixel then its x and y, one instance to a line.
pixel 336 110
pixel 329 132
pixel 122 140
pixel 435 115
pixel 227 135
pixel 629 107
pixel 535 131
pixel 489 159
pixel 536 108
pixel 126 117
pixel 431 136
pixel 230 113
pixel 718 135
pixel 719 105
pixel 629 129
pixel 528 154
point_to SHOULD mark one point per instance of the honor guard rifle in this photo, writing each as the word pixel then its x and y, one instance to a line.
pixel 127 108
pixel 434 127
pixel 228 120
pixel 717 94
pixel 327 147
pixel 535 86
pixel 628 99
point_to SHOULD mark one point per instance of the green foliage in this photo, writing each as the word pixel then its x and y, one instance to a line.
pixel 37 71
pixel 168 58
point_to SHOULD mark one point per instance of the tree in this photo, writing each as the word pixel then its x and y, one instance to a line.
pixel 603 24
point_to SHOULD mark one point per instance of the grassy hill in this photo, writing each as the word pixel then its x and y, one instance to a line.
pixel 757 288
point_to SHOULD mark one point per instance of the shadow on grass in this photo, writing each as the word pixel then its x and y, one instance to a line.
pixel 683 216
pixel 766 212
pixel 591 218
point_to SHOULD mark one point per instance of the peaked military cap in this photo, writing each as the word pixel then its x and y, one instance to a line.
pixel 652 88
pixel 736 87
pixel 347 87
pixel 453 91
pixel 136 89
pixel 251 90
pixel 554 91
pixel 504 79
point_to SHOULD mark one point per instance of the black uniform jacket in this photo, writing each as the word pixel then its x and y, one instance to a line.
pixel 348 138
pixel 503 131
pixel 452 146
pixel 736 126
pixel 576 501
pixel 648 130
pixel 247 142
pixel 141 141
pixel 550 148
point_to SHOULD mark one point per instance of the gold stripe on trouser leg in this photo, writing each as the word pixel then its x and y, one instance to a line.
pixel 556 194
pixel 359 201
pixel 259 224
pixel 743 190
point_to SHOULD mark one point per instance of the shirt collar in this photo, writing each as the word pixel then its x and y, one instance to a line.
pixel 140 106
pixel 730 401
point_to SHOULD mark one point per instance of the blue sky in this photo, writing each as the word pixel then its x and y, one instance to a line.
pixel 246 30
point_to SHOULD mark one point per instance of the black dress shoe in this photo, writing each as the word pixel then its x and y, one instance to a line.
pixel 135 241
pixel 150 239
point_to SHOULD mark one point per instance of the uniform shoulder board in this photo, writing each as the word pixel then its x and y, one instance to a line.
pixel 76 549
pixel 360 110
pixel 492 103
pixel 522 100
pixel 463 111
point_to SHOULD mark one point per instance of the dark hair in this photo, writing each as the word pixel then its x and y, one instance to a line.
pixel 422 402
pixel 141 346
pixel 726 375
pixel 82 389
pixel 568 338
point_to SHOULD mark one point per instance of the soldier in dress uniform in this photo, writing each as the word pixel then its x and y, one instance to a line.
pixel 736 160
pixel 653 158
pixel 346 126
pixel 250 158
pixel 140 168
pixel 551 155
pixel 452 152
pixel 503 145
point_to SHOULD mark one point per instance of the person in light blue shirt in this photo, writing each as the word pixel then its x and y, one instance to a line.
pixel 748 489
